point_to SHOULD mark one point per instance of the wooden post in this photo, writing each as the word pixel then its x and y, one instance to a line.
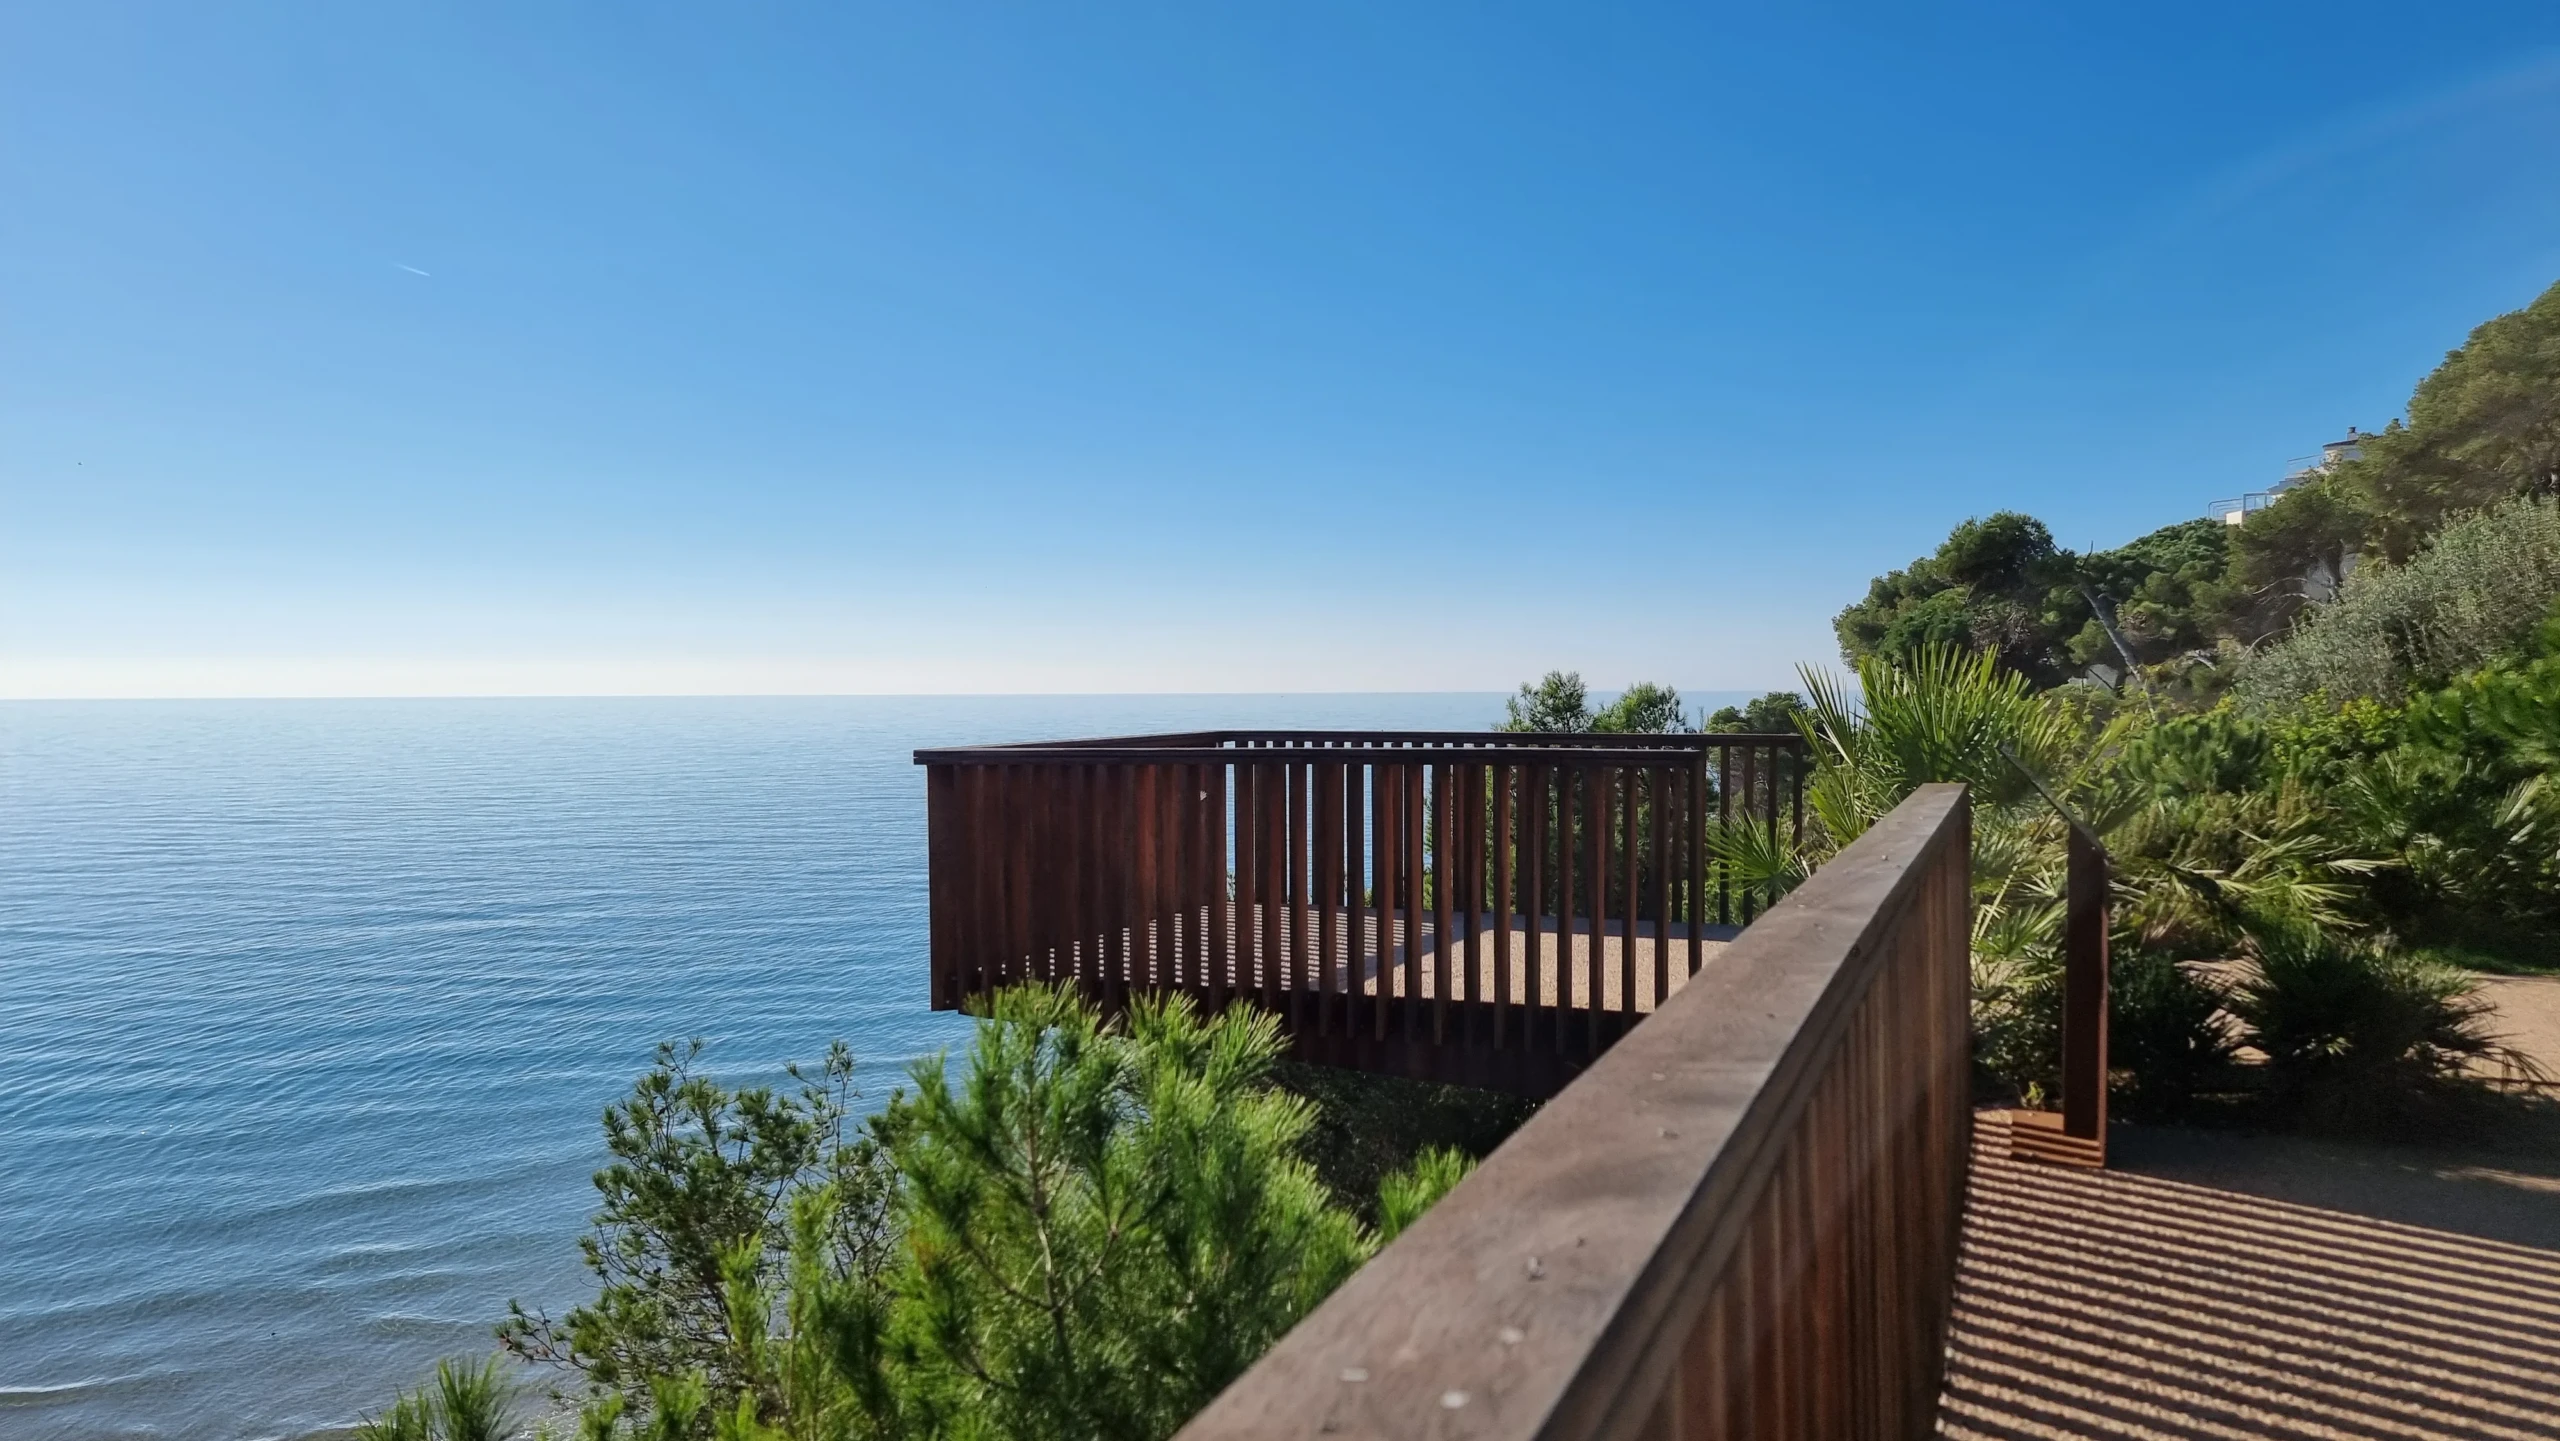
pixel 2084 994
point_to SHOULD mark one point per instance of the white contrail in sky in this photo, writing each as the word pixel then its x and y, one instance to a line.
pixel 413 270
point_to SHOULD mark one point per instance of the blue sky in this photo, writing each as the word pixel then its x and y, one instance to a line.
pixel 639 347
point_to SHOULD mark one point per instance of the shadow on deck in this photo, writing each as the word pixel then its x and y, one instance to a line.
pixel 2218 1286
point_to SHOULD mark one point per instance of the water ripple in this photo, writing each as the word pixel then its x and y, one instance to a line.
pixel 307 1009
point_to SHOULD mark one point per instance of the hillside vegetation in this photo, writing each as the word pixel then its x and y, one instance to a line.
pixel 2195 603
pixel 2320 744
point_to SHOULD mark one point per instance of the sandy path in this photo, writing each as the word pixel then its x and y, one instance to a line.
pixel 2527 1011
pixel 2220 1287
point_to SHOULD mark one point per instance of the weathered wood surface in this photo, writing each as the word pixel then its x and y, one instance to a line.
pixel 2084 993
pixel 1740 1222
pixel 1402 901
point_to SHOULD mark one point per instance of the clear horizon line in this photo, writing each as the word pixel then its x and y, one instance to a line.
pixel 1171 694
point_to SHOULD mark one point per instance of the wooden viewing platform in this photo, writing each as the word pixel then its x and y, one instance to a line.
pixel 1480 907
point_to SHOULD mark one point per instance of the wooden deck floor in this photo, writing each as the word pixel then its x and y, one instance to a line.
pixel 2235 1287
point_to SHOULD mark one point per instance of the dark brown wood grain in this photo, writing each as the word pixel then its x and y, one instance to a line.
pixel 1505 782
pixel 1442 875
pixel 2084 991
pixel 1740 1222
pixel 1412 819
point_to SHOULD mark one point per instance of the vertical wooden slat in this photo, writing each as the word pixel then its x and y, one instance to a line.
pixel 1171 873
pixel 1018 916
pixel 1798 761
pixel 1117 875
pixel 1472 844
pixel 1056 879
pixel 1001 835
pixel 1083 866
pixel 1724 817
pixel 1443 876
pixel 1300 972
pixel 2084 991
pixel 1105 883
pixel 1693 839
pixel 1222 947
pixel 1128 836
pixel 978 922
pixel 1126 902
pixel 1039 808
pixel 1075 864
pixel 1328 889
pixel 1110 884
pixel 1769 782
pixel 1746 812
pixel 1385 799
pixel 1194 899
pixel 942 864
pixel 1596 842
pixel 1147 838
pixel 1568 786
pixel 1271 799
pixel 1633 906
pixel 1213 874
pixel 1505 779
pixel 1659 789
pixel 1412 821
pixel 1250 804
pixel 1359 871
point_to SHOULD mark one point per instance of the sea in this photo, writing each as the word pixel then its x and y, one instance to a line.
pixel 309 1009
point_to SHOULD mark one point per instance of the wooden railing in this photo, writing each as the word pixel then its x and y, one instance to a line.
pixel 1467 906
pixel 1741 1222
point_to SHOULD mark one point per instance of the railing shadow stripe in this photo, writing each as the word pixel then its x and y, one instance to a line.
pixel 2175 1201
pixel 2078 1408
pixel 2162 1269
pixel 2197 1315
pixel 2113 1336
pixel 2087 1307
pixel 2186 1391
pixel 2192 1245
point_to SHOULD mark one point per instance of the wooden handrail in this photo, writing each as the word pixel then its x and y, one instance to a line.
pixel 1431 745
pixel 1740 1222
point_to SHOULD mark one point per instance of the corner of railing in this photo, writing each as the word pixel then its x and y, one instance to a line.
pixel 1741 1220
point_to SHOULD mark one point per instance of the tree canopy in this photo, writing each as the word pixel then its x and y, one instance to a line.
pixel 2483 427
pixel 1560 701
pixel 1999 585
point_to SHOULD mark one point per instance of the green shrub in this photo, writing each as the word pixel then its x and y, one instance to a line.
pixel 1087 1229
pixel 2322 744
pixel 1105 1227
pixel 2017 1022
pixel 2476 593
pixel 699 1171
pixel 2360 1039
pixel 465 1402
pixel 1368 1127
pixel 2171 1051
pixel 1559 701
pixel 1404 1196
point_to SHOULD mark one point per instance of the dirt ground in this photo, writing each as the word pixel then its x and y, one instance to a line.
pixel 2528 1015
pixel 2217 1285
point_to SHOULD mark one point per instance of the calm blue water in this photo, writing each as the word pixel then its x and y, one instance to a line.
pixel 308 1009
